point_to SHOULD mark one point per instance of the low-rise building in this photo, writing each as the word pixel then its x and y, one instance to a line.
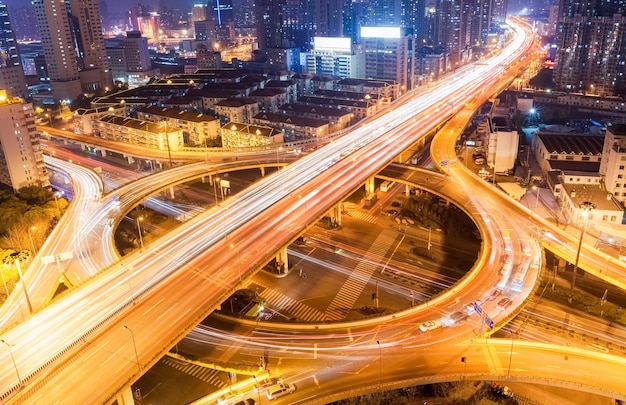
pixel 240 135
pixel 387 90
pixel 86 119
pixel 269 99
pixel 550 148
pixel 337 118
pixel 198 129
pixel 288 86
pixel 139 132
pixel 360 109
pixel 293 127
pixel 239 109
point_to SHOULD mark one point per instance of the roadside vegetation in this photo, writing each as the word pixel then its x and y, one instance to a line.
pixel 26 219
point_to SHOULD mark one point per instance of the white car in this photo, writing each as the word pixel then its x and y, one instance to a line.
pixel 430 325
pixel 279 390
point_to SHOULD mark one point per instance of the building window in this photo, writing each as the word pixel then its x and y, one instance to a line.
pixel 613 218
pixel 621 167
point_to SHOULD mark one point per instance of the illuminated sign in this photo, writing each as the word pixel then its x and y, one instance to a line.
pixel 333 44
pixel 380 32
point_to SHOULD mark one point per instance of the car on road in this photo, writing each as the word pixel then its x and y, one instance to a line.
pixel 495 293
pixel 396 204
pixel 504 303
pixel 469 308
pixel 266 383
pixel 430 325
pixel 392 212
pixel 457 317
pixel 279 390
pixel 247 401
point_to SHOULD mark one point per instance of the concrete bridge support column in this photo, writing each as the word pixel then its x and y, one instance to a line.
pixel 103 152
pixel 83 147
pixel 129 159
pixel 171 191
pixel 335 215
pixel 203 179
pixel 400 158
pixel 126 397
pixel 262 171
pixel 282 261
pixel 407 190
pixel 370 186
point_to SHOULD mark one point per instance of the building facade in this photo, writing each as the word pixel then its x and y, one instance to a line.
pixel 71 35
pixel 11 72
pixel 21 156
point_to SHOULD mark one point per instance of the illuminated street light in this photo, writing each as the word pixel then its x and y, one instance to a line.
pixel 132 336
pixel 536 189
pixel 32 244
pixel 215 181
pixel 138 220
pixel 380 361
pixel 13 360
pixel 586 207
pixel 16 261
pixel 280 148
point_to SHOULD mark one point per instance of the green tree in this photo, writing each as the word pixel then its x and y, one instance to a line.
pixel 34 195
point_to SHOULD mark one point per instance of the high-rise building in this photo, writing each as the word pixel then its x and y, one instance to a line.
pixel 328 18
pixel 335 56
pixel 452 30
pixel 590 40
pixel 11 72
pixel 389 55
pixel 21 157
pixel 71 34
pixel 384 13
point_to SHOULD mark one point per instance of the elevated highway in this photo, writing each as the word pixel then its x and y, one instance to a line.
pixel 195 269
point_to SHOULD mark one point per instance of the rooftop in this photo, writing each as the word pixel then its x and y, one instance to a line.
pixel 177 114
pixel 251 129
pixel 572 144
pixel 297 108
pixel 602 199
pixel 291 119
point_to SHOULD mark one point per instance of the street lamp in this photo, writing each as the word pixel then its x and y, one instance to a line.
pixel 138 220
pixel 32 244
pixel 167 140
pixel 215 181
pixel 280 148
pixel 56 196
pixel 380 360
pixel 536 189
pixel 586 207
pixel 16 261
pixel 132 336
pixel 13 360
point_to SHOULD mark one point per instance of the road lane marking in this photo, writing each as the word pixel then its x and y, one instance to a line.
pixel 95 350
pixel 315 351
pixel 183 314
pixel 350 337
pixel 316 381
pixel 152 307
pixel 112 356
pixel 166 311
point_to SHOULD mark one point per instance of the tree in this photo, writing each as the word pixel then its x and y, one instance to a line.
pixel 34 195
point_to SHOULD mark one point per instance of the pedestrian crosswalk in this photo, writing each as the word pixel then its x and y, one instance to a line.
pixel 362 216
pixel 354 285
pixel 205 374
pixel 284 304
